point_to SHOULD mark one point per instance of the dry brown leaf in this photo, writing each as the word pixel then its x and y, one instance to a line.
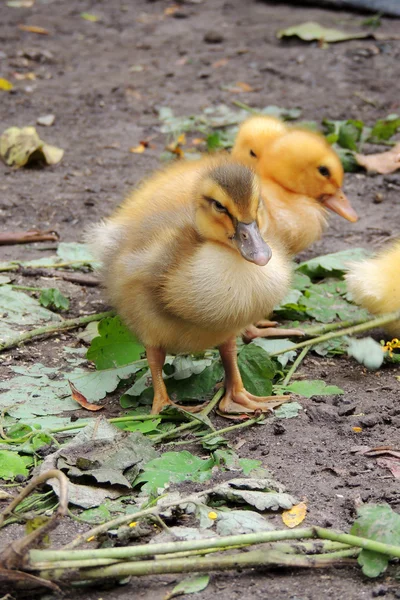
pixel 170 10
pixel 34 29
pixel 138 149
pixel 383 162
pixel 220 63
pixel 393 464
pixel 197 141
pixel 295 515
pixel 80 399
pixel 22 76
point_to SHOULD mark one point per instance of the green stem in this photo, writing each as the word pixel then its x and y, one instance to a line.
pixel 193 423
pixel 295 365
pixel 327 327
pixel 14 266
pixel 244 106
pixel 149 550
pixel 27 288
pixel 354 540
pixel 371 324
pixel 51 329
pixel 255 558
pixel 211 435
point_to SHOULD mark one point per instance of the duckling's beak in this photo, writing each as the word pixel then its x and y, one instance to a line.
pixel 251 244
pixel 340 205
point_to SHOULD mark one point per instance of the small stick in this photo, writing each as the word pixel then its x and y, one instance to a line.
pixel 28 237
pixel 52 329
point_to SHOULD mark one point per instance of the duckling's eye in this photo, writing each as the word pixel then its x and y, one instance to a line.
pixel 324 171
pixel 219 207
pixel 253 154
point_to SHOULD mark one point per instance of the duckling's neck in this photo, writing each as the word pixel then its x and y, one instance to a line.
pixel 296 219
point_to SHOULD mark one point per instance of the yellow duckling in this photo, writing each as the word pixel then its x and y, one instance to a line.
pixel 186 267
pixel 301 176
pixel 375 284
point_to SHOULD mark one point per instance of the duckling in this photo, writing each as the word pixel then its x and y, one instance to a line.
pixel 186 267
pixel 301 176
pixel 375 284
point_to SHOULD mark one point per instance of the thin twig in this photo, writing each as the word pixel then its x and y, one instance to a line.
pixel 246 107
pixel 28 237
pixel 210 436
pixel 52 329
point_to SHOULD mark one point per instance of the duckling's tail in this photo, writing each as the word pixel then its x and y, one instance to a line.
pixel 104 241
pixel 375 284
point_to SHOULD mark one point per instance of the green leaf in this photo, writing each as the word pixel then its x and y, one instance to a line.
pixel 287 114
pixel 72 251
pixel 350 134
pixel 18 310
pixel 331 265
pixel 174 467
pixel 380 523
pixel 255 492
pixel 189 586
pixel 366 351
pixel 348 160
pixel 312 387
pixel 53 298
pixel 257 370
pixel 237 522
pixel 289 410
pixel 311 31
pixel 214 141
pixel 142 426
pixel 115 346
pixel 384 129
pixel 100 514
pixel 11 465
pixel 271 346
pixel 185 366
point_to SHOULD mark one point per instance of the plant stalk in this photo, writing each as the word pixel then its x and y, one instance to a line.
pixel 51 329
pixel 295 365
pixel 366 326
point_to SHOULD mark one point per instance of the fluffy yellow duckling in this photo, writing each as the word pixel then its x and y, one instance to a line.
pixel 186 267
pixel 375 284
pixel 301 176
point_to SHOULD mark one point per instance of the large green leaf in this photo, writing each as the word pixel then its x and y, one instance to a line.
pixel 332 265
pixel 173 467
pixel 312 387
pixel 116 346
pixel 191 585
pixel 311 31
pixel 384 129
pixel 376 522
pixel 257 370
pixel 11 465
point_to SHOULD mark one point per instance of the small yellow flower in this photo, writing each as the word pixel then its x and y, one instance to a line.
pixel 357 429
pixel 212 515
pixel 392 345
pixel 92 537
pixel 133 524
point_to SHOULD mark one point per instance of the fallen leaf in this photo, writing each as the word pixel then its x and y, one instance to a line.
pixel 239 87
pixel 220 63
pixel 382 162
pixel 20 3
pixel 197 141
pixel 80 399
pixel 34 29
pixel 311 31
pixel 189 586
pixel 170 10
pixel 138 149
pixel 25 76
pixel 90 17
pixel 295 515
pixel 20 146
pixel 357 429
pixel 393 464
pixel 5 85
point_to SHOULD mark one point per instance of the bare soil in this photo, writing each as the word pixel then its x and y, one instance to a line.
pixel 88 76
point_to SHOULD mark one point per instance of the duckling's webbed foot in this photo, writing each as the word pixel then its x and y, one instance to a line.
pixel 267 329
pixel 237 399
pixel 156 359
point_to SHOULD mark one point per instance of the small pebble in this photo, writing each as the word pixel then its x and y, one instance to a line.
pixel 378 198
pixel 380 590
pixel 213 37
pixel 46 120
pixel 278 428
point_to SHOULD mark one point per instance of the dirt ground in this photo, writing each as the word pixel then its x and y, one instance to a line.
pixel 104 82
